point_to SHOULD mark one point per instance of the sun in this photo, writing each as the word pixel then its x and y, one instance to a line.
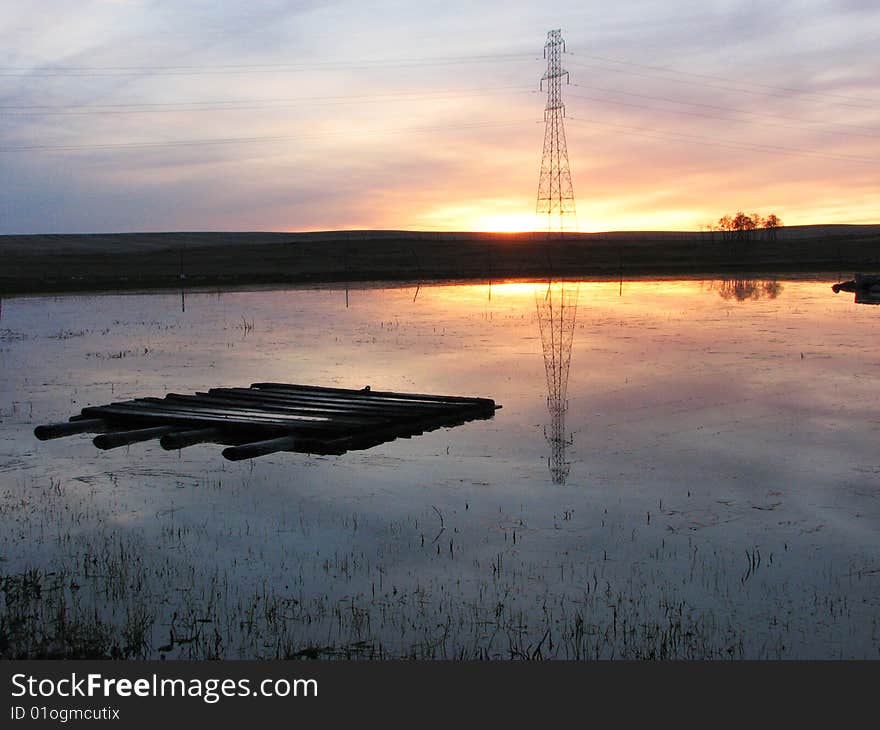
pixel 505 223
pixel 491 216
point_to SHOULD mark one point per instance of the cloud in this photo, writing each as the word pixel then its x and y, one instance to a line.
pixel 383 113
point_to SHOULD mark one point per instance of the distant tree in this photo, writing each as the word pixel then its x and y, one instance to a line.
pixel 711 226
pixel 771 223
pixel 743 225
pixel 725 225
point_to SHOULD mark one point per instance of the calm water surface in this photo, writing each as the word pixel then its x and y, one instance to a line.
pixel 711 488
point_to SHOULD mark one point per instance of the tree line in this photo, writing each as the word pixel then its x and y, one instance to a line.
pixel 743 227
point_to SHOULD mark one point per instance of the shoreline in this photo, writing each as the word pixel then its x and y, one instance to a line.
pixel 71 263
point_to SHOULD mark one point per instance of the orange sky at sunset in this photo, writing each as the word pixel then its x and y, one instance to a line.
pixel 127 115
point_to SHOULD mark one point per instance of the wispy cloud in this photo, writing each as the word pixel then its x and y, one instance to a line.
pixel 277 115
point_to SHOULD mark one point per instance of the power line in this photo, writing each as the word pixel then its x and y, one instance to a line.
pixel 753 91
pixel 233 105
pixel 269 100
pixel 730 144
pixel 100 71
pixel 728 108
pixel 248 140
pixel 665 69
pixel 709 116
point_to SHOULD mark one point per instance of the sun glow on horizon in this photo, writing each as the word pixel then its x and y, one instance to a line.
pixel 507 223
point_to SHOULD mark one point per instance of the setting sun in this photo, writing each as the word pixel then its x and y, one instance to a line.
pixel 507 223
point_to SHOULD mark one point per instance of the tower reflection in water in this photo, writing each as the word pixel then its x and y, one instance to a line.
pixel 557 309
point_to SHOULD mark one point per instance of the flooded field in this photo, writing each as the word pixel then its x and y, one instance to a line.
pixel 701 480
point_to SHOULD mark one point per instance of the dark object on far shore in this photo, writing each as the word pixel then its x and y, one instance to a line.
pixel 271 417
pixel 865 287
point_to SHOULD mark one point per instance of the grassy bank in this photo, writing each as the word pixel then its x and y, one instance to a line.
pixel 60 263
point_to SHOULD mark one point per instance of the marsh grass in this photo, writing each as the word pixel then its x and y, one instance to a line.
pixel 42 618
pixel 105 589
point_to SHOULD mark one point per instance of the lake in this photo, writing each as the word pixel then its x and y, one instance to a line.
pixel 682 468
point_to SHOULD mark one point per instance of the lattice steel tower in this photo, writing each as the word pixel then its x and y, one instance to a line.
pixel 557 309
pixel 555 192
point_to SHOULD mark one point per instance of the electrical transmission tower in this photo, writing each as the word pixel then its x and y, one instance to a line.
pixel 557 309
pixel 555 192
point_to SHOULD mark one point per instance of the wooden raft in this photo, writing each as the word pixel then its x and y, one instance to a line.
pixel 270 417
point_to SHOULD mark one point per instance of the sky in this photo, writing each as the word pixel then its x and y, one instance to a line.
pixel 201 115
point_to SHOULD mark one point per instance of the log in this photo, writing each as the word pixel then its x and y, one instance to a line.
pixel 182 439
pixel 281 408
pixel 68 428
pixel 199 405
pixel 329 403
pixel 197 418
pixel 261 448
pixel 371 393
pixel 124 438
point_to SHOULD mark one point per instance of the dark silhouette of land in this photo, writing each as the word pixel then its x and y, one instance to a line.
pixel 59 263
